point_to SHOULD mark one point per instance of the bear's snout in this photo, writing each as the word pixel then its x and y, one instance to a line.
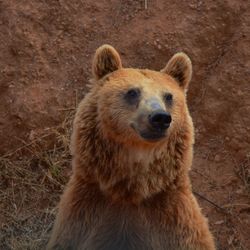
pixel 153 120
pixel 160 120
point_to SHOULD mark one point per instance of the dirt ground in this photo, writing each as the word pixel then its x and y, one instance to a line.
pixel 46 48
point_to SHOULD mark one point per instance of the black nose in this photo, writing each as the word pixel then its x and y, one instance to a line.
pixel 160 120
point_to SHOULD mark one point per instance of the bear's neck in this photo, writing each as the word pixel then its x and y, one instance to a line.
pixel 127 173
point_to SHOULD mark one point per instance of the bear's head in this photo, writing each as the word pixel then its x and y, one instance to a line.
pixel 140 107
pixel 132 132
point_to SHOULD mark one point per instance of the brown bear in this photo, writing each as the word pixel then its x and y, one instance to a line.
pixel 132 148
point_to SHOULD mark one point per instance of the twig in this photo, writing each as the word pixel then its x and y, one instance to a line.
pixel 76 98
pixel 197 172
pixel 146 4
pixel 209 201
pixel 67 109
pixel 237 204
pixel 25 146
pixel 117 13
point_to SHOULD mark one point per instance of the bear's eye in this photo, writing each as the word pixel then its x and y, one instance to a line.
pixel 132 95
pixel 168 98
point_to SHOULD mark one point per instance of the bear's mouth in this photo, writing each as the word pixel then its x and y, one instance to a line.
pixel 151 135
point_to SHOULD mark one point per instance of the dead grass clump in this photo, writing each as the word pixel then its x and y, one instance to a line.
pixel 243 171
pixel 30 187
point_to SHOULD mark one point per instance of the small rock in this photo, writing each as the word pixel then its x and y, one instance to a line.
pixel 159 46
pixel 230 240
pixel 239 92
pixel 239 191
pixel 219 222
pixel 217 158
pixel 32 135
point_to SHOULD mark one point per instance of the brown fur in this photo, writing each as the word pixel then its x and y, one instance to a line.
pixel 125 192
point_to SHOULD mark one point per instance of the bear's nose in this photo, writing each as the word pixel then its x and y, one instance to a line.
pixel 160 120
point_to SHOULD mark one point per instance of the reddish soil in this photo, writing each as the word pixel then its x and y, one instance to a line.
pixel 45 63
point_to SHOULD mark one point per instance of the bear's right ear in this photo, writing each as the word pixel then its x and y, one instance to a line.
pixel 180 68
pixel 106 60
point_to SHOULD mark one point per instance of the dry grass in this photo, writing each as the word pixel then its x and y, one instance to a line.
pixel 243 171
pixel 30 188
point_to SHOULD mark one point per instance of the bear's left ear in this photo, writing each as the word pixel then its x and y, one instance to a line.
pixel 106 60
pixel 180 68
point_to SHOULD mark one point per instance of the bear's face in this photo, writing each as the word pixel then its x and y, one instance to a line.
pixel 140 106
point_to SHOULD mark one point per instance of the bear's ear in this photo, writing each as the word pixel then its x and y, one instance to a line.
pixel 106 60
pixel 180 68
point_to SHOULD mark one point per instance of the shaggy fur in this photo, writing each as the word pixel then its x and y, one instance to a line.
pixel 127 192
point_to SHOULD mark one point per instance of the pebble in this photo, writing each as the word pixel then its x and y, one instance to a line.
pixel 217 158
pixel 159 46
pixel 219 222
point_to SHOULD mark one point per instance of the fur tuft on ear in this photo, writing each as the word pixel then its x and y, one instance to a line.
pixel 180 68
pixel 106 60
